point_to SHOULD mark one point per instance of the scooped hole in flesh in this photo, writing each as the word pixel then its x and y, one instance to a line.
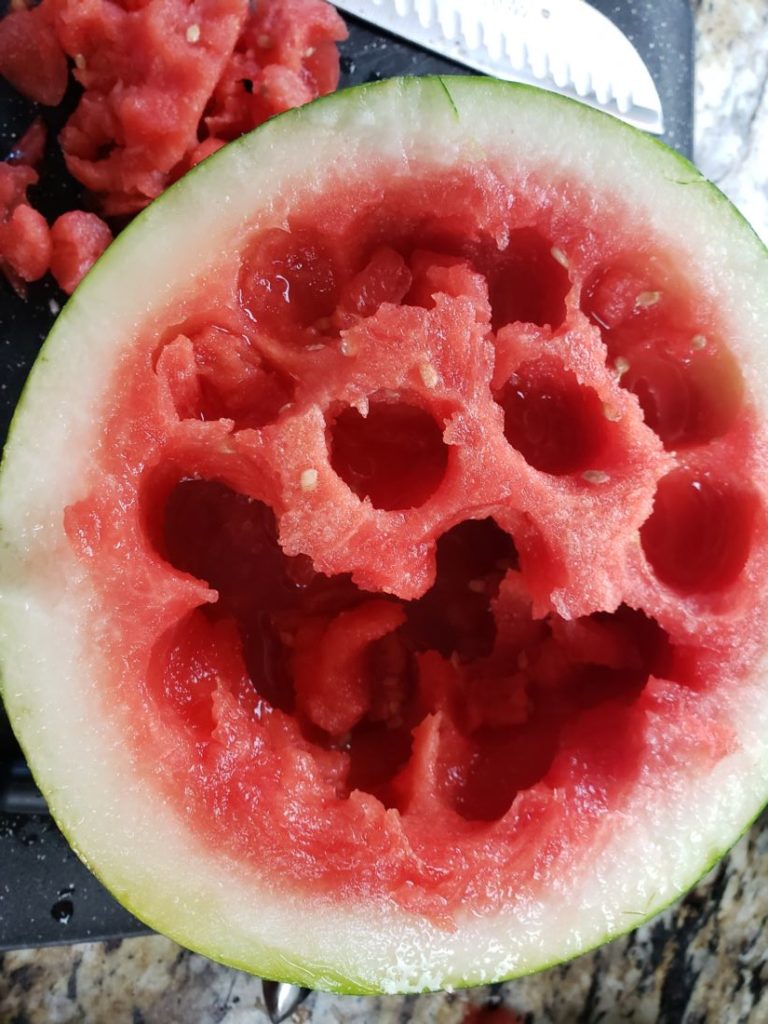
pixel 527 283
pixel 289 281
pixel 454 616
pixel 687 399
pixel 394 456
pixel 556 424
pixel 214 374
pixel 514 714
pixel 688 384
pixel 699 535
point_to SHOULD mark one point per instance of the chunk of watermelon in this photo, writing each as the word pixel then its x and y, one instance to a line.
pixel 166 82
pixel 285 56
pixel 391 532
pixel 78 239
pixel 25 240
pixel 31 57
pixel 148 72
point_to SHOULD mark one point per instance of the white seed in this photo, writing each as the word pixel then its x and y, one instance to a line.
pixel 315 348
pixel 646 299
pixel 265 42
pixel 621 365
pixel 559 255
pixel 54 306
pixel 79 61
pixel 698 341
pixel 308 480
pixel 193 34
pixel 309 51
pixel 477 586
pixel 429 375
pixel 595 476
pixel 611 413
pixel 347 347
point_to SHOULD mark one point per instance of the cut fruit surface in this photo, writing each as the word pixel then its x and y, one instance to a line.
pixel 396 544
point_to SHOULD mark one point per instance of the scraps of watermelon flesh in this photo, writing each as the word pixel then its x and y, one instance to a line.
pixel 165 82
pixel 146 86
pixel 28 247
pixel 25 242
pixel 526 646
pixel 31 56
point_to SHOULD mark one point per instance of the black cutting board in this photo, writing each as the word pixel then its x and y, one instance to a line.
pixel 46 894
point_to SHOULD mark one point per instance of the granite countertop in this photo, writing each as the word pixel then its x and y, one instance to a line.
pixel 705 959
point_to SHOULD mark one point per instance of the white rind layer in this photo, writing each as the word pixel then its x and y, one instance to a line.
pixel 129 835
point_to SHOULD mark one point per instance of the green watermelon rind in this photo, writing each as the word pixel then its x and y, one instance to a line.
pixel 446 106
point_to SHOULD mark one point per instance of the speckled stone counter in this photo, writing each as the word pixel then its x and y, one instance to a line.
pixel 732 102
pixel 704 960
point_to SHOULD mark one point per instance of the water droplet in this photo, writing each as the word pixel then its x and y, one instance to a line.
pixel 62 910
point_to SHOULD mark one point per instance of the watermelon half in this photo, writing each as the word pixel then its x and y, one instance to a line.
pixel 385 541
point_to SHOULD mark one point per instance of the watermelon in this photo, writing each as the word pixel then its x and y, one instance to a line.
pixel 385 540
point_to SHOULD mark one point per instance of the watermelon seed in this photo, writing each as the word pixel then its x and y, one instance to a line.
pixel 429 375
pixel 79 61
pixel 347 347
pixel 316 347
pixel 265 42
pixel 621 365
pixel 612 413
pixel 646 299
pixel 308 480
pixel 193 34
pixel 309 51
pixel 560 256
pixel 698 341
pixel 595 476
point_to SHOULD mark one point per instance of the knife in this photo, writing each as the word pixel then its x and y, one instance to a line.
pixel 565 46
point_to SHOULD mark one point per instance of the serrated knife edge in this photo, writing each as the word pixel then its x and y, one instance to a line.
pixel 565 46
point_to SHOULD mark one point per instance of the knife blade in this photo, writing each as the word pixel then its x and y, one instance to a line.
pixel 565 46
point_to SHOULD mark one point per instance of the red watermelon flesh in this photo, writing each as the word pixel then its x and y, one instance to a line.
pixel 423 539
pixel 31 57
pixel 147 81
pixel 25 239
pixel 165 81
